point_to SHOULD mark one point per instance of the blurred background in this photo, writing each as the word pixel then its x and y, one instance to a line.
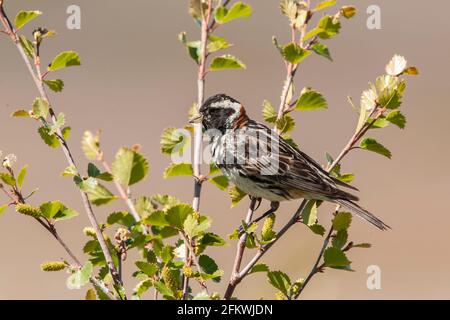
pixel 136 79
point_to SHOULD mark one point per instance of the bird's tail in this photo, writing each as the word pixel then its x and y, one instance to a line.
pixel 362 213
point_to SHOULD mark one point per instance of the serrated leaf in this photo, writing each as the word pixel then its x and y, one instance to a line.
pixel 156 218
pixel 150 269
pixel 295 54
pixel 334 257
pixel 327 28
pixel 270 115
pixel 97 193
pixel 40 108
pixel 64 60
pixel 342 221
pixel 70 171
pixel 129 167
pixel 178 169
pixel 194 228
pixel 340 239
pixel 55 85
pixel 311 100
pixel 397 118
pixel 226 62
pixel 396 66
pixel 91 145
pixel 65 214
pixel 211 239
pixel 58 124
pixel 318 229
pixel 174 141
pixel 373 145
pixel 24 17
pixel 209 266
pixel 280 281
pixel 50 209
pixel 80 277
pixel 286 124
pixel 27 46
pixel 260 267
pixel 163 289
pixel 322 50
pixel 220 182
pixel 236 195
pixel 238 10
pixel 217 43
pixel 346 177
pixel 177 214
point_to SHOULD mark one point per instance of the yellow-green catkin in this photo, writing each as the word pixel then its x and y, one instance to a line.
pixel 89 232
pixel 171 280
pixel 267 232
pixel 53 266
pixel 28 210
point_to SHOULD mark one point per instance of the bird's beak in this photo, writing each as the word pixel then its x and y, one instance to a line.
pixel 196 119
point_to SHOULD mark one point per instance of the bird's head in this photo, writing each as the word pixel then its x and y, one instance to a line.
pixel 221 112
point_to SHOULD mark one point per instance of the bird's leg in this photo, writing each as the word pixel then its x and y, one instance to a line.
pixel 274 205
pixel 258 201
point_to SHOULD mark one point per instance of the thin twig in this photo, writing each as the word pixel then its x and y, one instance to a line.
pixel 37 77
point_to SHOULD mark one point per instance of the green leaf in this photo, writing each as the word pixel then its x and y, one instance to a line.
pixel 178 169
pixel 347 177
pixel 24 17
pixel 311 100
pixel 194 228
pixel 21 176
pixel 260 267
pixel 70 171
pixel 58 124
pixel 64 60
pixel 285 124
pixel 226 62
pixel 156 218
pixel 65 214
pixel 348 11
pixel 209 266
pixel 150 269
pixel 280 281
pixel 3 209
pixel 129 167
pixel 270 115
pixel 309 215
pixel 327 28
pixel 178 214
pixel 174 141
pixel 121 217
pixel 80 277
pixel 93 171
pixel 211 239
pixel 50 209
pixel 27 46
pixel 294 54
pixel 91 146
pixel 98 194
pixel 372 145
pixel 238 10
pixel 220 182
pixel 162 288
pixel 318 229
pixel 340 239
pixel 397 118
pixel 390 98
pixel 40 108
pixel 217 43
pixel 322 50
pixel 8 179
pixel 55 85
pixel 324 4
pixel 236 195
pixel 342 221
pixel 334 257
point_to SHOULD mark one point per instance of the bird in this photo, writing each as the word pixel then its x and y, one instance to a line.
pixel 258 161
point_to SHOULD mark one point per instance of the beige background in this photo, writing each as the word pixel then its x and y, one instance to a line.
pixel 136 79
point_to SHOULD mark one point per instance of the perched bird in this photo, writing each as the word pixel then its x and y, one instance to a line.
pixel 262 164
